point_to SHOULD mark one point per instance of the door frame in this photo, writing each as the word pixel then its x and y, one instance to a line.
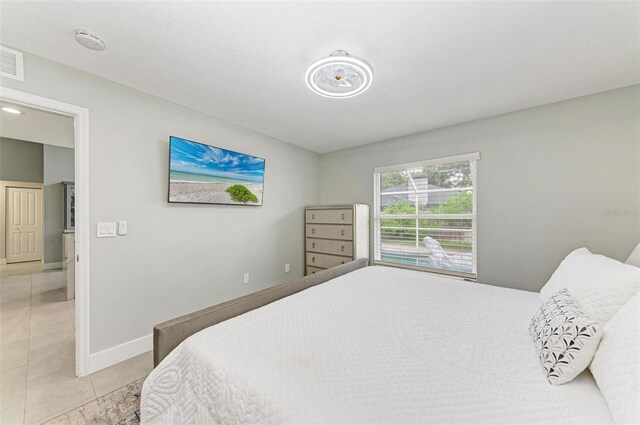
pixel 82 224
pixel 6 184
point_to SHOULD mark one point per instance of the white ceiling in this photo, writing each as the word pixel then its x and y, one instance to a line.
pixel 35 125
pixel 435 63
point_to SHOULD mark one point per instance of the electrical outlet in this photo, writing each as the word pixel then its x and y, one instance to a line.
pixel 246 278
pixel 287 268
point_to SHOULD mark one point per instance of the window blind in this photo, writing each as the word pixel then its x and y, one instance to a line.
pixel 425 215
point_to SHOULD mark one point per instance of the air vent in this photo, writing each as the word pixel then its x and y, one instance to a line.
pixel 11 63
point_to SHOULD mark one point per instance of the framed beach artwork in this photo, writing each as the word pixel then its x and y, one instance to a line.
pixel 203 174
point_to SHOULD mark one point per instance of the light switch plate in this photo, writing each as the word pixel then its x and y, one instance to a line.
pixel 106 230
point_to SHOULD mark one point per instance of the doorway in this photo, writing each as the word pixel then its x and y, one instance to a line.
pixel 80 260
pixel 24 217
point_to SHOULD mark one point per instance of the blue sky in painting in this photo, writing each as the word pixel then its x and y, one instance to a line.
pixel 189 157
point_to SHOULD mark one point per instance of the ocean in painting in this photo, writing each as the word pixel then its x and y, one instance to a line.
pixel 206 174
pixel 180 176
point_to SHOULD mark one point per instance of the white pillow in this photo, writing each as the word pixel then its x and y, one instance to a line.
pixel 600 285
pixel 634 258
pixel 565 274
pixel 616 364
pixel 564 337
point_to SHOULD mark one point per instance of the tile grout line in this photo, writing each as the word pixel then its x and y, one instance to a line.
pixel 97 399
pixel 82 403
pixel 95 394
pixel 31 293
pixel 18 367
pixel 66 304
pixel 35 286
pixel 26 378
pixel 55 415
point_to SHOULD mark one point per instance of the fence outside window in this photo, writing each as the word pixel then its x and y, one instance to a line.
pixel 425 215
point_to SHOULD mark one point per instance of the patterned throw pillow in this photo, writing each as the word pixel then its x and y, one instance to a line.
pixel 565 338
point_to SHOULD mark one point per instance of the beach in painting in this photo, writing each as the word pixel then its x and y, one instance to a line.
pixel 206 174
pixel 189 187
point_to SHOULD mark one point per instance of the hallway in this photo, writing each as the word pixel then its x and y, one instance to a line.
pixel 37 354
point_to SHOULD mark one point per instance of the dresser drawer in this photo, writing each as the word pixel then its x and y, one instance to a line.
pixel 337 216
pixel 325 260
pixel 312 270
pixel 330 231
pixel 330 247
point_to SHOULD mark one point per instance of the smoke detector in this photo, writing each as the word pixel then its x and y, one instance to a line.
pixel 90 40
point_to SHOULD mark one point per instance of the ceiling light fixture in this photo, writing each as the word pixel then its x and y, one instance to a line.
pixel 11 110
pixel 90 40
pixel 339 76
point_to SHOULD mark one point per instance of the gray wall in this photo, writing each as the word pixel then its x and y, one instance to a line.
pixel 20 160
pixel 34 162
pixel 574 160
pixel 176 258
pixel 58 167
pixel 550 179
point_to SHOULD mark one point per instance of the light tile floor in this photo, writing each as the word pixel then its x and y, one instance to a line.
pixel 37 350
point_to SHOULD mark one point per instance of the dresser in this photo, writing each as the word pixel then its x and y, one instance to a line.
pixel 334 235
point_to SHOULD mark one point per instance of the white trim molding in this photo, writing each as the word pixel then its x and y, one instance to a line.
pixel 52 266
pixel 120 353
pixel 474 156
pixel 81 146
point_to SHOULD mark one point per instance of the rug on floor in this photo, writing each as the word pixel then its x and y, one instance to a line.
pixel 121 407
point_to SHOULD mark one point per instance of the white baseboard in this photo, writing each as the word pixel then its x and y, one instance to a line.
pixel 120 353
pixel 52 266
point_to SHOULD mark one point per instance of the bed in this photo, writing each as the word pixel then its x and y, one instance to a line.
pixel 376 345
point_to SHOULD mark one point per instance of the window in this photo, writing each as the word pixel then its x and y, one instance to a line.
pixel 425 215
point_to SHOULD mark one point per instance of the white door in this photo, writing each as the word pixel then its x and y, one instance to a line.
pixel 24 224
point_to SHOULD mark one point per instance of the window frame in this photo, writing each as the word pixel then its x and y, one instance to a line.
pixel 473 158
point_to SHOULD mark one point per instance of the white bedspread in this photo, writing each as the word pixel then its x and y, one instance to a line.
pixel 379 345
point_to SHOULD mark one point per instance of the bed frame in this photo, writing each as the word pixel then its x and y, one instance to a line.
pixel 168 335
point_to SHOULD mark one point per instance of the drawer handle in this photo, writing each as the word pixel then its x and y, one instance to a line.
pixel 313 244
pixel 313 259
pixel 342 262
pixel 343 216
pixel 313 216
pixel 313 272
pixel 313 230
pixel 342 231
pixel 342 248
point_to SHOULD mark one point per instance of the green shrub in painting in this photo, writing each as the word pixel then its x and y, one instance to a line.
pixel 239 193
